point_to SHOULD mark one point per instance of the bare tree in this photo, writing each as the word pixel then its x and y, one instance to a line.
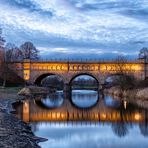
pixel 12 52
pixel 29 51
pixel 124 80
pixel 2 41
pixel 143 53
pixel 7 53
pixel 3 65
pixel 120 64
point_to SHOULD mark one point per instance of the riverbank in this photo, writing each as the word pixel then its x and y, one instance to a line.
pixel 14 132
pixel 9 93
pixel 136 96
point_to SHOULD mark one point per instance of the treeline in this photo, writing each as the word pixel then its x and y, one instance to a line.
pixel 84 82
pixel 53 82
pixel 10 52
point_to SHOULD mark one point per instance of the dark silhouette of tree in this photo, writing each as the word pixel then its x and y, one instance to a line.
pixel 143 53
pixel 144 126
pixel 124 80
pixel 12 52
pixel 52 82
pixel 29 51
pixel 120 64
pixel 81 82
pixel 3 65
pixel 84 82
pixel 7 74
pixel 2 42
pixel 120 129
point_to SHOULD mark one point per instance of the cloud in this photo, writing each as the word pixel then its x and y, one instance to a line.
pixel 85 24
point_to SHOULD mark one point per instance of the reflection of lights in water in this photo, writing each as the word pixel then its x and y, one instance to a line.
pixel 60 123
pixel 103 115
pixel 26 111
pixel 26 107
pixel 62 115
pixel 53 115
pixel 137 116
pixel 26 104
pixel 125 104
pixel 49 115
pixel 58 115
pixel 96 115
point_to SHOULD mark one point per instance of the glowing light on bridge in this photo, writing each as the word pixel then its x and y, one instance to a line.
pixel 31 69
pixel 26 69
pixel 26 74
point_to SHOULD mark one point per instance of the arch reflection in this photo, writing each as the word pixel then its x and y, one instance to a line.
pixel 84 91
pixel 84 98
pixel 52 100
pixel 109 101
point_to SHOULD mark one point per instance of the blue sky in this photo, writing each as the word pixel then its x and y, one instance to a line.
pixel 77 28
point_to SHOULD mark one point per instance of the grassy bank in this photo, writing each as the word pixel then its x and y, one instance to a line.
pixel 9 92
pixel 10 89
pixel 135 96
pixel 85 87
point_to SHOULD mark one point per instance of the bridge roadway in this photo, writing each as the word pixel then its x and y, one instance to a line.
pixel 30 111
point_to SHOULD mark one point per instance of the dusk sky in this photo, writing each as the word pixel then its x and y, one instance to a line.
pixel 77 28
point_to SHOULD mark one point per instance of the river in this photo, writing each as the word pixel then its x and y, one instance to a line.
pixel 85 121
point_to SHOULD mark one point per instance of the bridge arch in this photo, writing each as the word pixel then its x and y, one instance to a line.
pixel 40 77
pixel 81 74
pixel 81 94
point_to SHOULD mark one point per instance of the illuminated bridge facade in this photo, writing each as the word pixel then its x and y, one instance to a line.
pixel 34 71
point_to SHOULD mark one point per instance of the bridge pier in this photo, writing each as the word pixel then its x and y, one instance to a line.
pixel 101 87
pixel 101 90
pixel 67 91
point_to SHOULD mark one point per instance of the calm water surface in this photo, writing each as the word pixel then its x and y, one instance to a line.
pixel 85 98
pixel 72 123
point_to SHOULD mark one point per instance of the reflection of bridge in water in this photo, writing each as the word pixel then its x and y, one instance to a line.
pixel 29 111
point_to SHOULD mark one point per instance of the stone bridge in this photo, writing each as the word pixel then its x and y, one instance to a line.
pixel 34 71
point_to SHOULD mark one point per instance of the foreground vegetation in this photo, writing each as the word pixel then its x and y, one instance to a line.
pixel 9 92
pixel 136 92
